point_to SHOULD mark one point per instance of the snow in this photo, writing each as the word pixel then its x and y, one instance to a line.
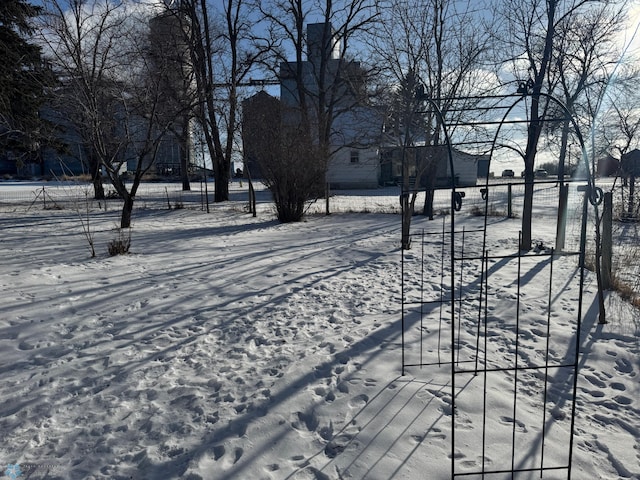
pixel 226 346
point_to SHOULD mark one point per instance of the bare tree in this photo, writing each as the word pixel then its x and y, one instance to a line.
pixel 621 137
pixel 223 56
pixel 407 124
pixel 586 52
pixel 622 131
pixel 317 89
pixel 531 29
pixel 432 55
pixel 102 53
pixel 280 153
pixel 535 33
pixel 171 61
pixel 78 40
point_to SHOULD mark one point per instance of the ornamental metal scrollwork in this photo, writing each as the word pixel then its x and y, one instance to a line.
pixel 457 201
pixel 596 196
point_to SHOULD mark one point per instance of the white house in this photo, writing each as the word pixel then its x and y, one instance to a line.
pixel 359 157
pixel 465 166
pixel 356 128
pixel 355 162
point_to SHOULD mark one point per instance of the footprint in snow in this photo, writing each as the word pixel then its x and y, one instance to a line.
pixel 305 421
pixel 622 400
pixel 624 366
pixel 595 381
pixel 359 401
pixel 508 420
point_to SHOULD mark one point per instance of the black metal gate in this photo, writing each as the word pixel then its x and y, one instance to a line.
pixel 472 306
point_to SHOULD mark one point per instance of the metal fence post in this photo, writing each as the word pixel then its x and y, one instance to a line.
pixel 561 227
pixel 607 240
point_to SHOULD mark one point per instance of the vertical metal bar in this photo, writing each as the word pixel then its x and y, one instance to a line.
pixel 453 338
pixel 402 280
pixel 607 240
pixel 480 308
pixel 486 362
pixel 515 367
pixel 546 365
pixel 583 241
pixel 460 296
pixel 441 288
pixel 421 298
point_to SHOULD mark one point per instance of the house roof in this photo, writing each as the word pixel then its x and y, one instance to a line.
pixel 633 155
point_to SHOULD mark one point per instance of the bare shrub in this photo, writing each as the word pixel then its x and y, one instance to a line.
pixel 491 211
pixel 625 278
pixel 121 244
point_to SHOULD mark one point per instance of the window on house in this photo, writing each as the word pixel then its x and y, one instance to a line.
pixel 355 156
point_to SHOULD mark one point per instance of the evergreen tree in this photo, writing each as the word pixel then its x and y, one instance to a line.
pixel 21 79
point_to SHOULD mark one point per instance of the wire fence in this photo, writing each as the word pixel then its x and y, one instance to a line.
pixel 502 200
pixel 64 195
pixel 160 195
pixel 505 199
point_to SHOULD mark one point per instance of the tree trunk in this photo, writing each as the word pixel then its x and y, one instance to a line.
pixel 221 181
pixel 632 188
pixel 533 135
pixel 535 125
pixel 222 189
pixel 127 209
pixel 96 179
pixel 428 203
pixel 564 141
pixel 407 202
pixel 527 210
pixel 185 146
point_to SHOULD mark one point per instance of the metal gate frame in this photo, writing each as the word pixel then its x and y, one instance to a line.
pixel 460 368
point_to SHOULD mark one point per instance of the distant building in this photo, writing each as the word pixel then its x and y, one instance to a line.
pixel 360 155
pixel 466 166
pixel 170 55
pixel 68 152
pixel 69 148
pixel 608 166
pixel 630 164
pixel 261 137
pixel 356 127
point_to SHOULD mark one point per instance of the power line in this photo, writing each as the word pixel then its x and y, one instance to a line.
pixel 251 83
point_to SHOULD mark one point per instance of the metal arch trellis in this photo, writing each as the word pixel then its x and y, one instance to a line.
pixel 405 193
pixel 449 304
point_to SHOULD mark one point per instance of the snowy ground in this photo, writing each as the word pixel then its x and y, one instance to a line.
pixel 231 347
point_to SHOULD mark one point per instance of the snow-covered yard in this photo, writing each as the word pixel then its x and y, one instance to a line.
pixel 225 346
